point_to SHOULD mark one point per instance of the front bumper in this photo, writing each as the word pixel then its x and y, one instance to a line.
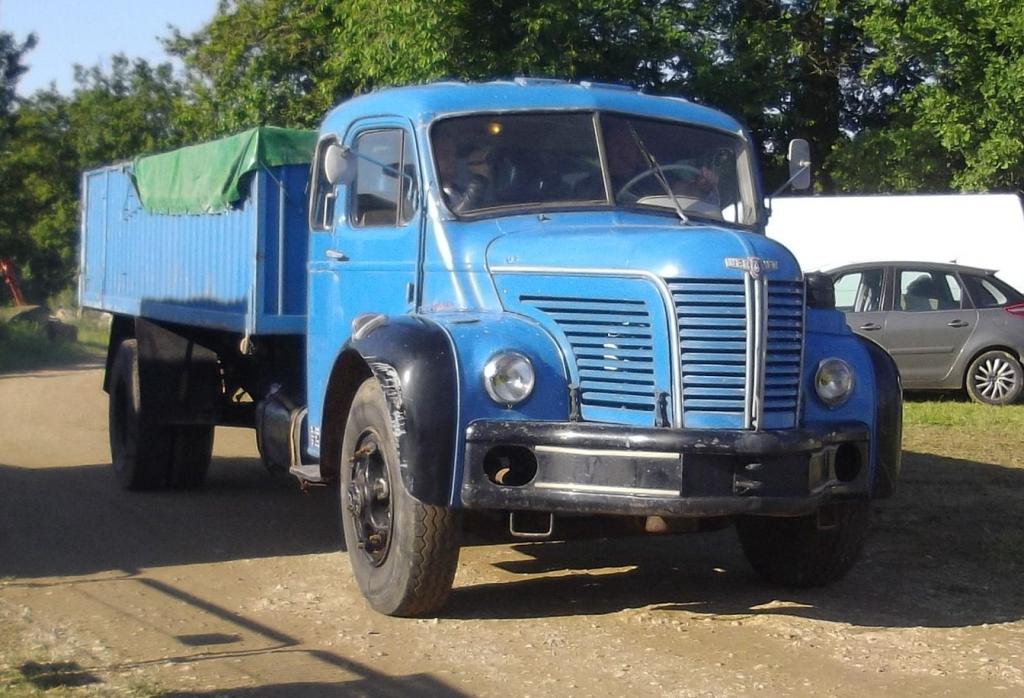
pixel 589 468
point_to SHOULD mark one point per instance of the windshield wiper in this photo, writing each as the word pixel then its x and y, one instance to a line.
pixel 652 163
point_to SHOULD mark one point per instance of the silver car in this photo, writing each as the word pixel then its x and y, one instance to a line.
pixel 949 327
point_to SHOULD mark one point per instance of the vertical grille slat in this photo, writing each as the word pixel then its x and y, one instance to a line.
pixel 712 323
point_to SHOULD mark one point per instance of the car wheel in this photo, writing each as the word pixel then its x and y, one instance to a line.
pixel 995 378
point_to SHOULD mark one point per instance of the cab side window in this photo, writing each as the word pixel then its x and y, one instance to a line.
pixel 859 291
pixel 921 291
pixel 384 190
pixel 322 194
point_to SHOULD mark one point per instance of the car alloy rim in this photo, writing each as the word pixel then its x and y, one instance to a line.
pixel 995 378
pixel 368 498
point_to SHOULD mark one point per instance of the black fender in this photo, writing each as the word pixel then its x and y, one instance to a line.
pixel 888 441
pixel 414 362
pixel 179 378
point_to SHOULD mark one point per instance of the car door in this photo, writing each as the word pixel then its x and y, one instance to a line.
pixel 859 294
pixel 930 321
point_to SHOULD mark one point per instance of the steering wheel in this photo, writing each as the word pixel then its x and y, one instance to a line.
pixel 694 173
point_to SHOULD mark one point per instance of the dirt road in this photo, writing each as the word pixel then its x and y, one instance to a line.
pixel 240 589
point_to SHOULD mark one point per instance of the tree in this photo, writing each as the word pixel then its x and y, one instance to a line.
pixel 960 125
pixel 11 69
pixel 112 115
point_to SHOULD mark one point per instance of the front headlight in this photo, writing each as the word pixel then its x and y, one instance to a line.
pixel 508 378
pixel 833 381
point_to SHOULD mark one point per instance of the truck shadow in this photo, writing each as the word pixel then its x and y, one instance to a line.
pixel 946 551
pixel 70 521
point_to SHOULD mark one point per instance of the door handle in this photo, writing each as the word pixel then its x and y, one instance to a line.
pixel 336 255
pixel 958 323
pixel 869 326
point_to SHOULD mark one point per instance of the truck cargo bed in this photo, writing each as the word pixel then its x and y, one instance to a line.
pixel 242 270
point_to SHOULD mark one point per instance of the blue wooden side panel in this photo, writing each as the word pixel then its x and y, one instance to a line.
pixel 241 271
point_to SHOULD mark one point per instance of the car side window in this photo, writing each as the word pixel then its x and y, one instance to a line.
pixel 859 291
pixel 985 292
pixel 922 291
pixel 384 190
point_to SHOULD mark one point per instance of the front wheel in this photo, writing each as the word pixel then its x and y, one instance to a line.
pixel 806 551
pixel 403 552
pixel 995 378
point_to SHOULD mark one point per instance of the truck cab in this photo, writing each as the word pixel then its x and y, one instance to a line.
pixel 550 299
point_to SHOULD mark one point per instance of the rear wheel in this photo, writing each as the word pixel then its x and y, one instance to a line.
pixel 806 551
pixel 145 453
pixel 995 378
pixel 403 552
pixel 140 447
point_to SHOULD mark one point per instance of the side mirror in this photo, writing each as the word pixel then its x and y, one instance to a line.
pixel 799 164
pixel 339 166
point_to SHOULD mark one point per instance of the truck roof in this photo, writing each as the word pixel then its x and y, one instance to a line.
pixel 425 103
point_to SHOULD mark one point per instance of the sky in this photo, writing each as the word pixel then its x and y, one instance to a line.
pixel 90 31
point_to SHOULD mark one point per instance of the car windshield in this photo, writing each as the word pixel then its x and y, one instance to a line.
pixel 495 162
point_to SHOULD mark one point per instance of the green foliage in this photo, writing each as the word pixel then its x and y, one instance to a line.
pixel 24 346
pixel 960 124
pixel 258 63
pixel 894 95
pixel 111 116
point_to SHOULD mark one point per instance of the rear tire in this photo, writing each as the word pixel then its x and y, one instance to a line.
pixel 145 453
pixel 995 378
pixel 799 551
pixel 140 447
pixel 193 449
pixel 403 552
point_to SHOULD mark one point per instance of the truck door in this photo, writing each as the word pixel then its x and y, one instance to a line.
pixel 365 244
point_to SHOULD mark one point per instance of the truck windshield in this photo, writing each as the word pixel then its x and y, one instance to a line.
pixel 494 162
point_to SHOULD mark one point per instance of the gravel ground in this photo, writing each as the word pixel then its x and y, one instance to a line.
pixel 240 589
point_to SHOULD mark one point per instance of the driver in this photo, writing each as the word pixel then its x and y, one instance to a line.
pixel 465 172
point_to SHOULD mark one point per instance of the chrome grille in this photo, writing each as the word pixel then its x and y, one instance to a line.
pixel 712 326
pixel 717 320
pixel 612 345
pixel 784 353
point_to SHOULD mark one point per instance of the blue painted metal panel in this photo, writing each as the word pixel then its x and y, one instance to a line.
pixel 424 103
pixel 827 335
pixel 614 333
pixel 241 271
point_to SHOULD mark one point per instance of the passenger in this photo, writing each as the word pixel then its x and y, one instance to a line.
pixel 626 161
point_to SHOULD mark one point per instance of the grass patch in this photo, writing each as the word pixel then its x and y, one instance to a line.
pixel 24 345
pixel 942 413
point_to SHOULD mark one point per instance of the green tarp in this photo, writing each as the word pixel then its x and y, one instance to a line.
pixel 206 178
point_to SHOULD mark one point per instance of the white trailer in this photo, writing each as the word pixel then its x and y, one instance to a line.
pixel 979 230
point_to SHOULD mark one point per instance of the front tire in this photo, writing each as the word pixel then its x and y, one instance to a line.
pixel 995 378
pixel 806 551
pixel 403 552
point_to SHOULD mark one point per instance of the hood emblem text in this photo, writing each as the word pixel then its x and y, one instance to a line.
pixel 754 266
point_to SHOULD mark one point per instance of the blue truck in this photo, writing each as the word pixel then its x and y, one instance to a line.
pixel 530 297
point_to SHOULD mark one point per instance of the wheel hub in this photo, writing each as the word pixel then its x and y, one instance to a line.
pixel 995 378
pixel 368 498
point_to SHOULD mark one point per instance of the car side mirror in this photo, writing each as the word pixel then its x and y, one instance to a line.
pixel 799 157
pixel 339 165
